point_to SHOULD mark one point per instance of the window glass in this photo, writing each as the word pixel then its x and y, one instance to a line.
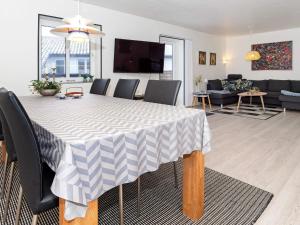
pixel 79 56
pixel 68 60
pixel 53 50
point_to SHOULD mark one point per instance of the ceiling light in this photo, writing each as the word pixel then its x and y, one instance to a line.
pixel 77 28
pixel 252 56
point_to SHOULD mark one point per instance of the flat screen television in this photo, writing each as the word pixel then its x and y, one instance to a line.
pixel 138 56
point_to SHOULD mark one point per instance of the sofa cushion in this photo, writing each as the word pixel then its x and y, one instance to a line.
pixel 295 86
pixel 229 85
pixel 278 85
pixel 214 85
pixel 262 85
pixel 273 94
pixel 221 95
pixel 285 98
pixel 289 93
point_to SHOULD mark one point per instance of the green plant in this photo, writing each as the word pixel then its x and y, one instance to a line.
pixel 198 80
pixel 85 77
pixel 39 85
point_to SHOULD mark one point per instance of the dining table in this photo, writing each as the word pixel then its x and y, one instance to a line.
pixel 96 143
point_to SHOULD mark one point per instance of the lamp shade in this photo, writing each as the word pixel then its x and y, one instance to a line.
pixel 75 26
pixel 79 37
pixel 252 56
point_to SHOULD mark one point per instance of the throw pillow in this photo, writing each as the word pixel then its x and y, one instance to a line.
pixel 229 85
pixel 243 85
pixel 289 93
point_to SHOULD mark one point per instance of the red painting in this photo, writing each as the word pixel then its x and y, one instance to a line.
pixel 274 56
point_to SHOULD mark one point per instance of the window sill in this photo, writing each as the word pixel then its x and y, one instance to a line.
pixel 76 82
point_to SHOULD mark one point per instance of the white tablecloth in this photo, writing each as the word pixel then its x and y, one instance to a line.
pixel 97 143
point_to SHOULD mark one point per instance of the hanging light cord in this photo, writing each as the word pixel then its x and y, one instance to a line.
pixel 78 7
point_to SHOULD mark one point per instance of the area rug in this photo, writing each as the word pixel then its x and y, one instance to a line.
pixel 227 201
pixel 251 111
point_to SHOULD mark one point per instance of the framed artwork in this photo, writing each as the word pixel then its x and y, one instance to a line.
pixel 213 59
pixel 202 58
pixel 274 56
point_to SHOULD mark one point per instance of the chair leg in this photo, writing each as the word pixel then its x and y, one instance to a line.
pixel 34 220
pixel 19 207
pixel 121 206
pixel 4 176
pixel 175 175
pixel 139 196
pixel 10 178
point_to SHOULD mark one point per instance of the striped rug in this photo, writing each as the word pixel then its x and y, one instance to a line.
pixel 228 201
pixel 251 111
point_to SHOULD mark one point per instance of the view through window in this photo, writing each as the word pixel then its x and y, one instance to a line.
pixel 168 63
pixel 68 60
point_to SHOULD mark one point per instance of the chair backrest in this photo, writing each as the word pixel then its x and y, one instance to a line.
pixel 126 88
pixel 27 148
pixel 99 86
pixel 162 91
pixel 10 149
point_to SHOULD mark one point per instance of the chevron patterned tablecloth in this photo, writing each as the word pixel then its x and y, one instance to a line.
pixel 97 142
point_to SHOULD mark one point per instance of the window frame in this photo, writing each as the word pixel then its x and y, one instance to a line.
pixel 67 53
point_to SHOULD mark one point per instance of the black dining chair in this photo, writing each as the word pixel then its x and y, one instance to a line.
pixel 35 177
pixel 126 88
pixel 10 159
pixel 161 92
pixel 99 86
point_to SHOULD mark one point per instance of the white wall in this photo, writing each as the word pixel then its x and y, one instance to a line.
pixel 18 39
pixel 236 48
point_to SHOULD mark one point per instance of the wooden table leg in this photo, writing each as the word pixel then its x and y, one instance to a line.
pixel 262 103
pixel 91 217
pixel 193 185
pixel 203 103
pixel 3 153
pixel 239 103
pixel 209 102
pixel 195 100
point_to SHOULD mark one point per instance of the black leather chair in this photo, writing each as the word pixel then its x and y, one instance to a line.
pixel 99 86
pixel 126 88
pixel 10 158
pixel 162 92
pixel 35 176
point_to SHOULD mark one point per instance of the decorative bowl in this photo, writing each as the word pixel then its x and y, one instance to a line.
pixel 48 92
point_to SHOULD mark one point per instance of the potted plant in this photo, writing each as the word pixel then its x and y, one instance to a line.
pixel 46 87
pixel 85 77
pixel 198 80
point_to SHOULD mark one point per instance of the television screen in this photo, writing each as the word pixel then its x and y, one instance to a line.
pixel 138 56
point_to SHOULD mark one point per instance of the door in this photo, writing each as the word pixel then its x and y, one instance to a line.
pixel 174 63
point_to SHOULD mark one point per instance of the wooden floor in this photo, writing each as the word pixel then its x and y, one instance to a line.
pixel 264 153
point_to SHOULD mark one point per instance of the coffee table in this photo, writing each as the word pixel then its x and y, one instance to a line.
pixel 251 94
pixel 197 95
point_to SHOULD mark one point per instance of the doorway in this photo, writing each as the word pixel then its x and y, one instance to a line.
pixel 174 66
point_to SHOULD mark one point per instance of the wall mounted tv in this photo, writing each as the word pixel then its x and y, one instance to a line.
pixel 138 56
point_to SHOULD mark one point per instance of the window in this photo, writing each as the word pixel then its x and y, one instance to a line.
pixel 81 66
pixel 67 59
pixel 168 63
pixel 168 66
pixel 60 67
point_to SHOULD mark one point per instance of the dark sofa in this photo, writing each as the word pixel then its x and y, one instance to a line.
pixel 291 102
pixel 219 98
pixel 273 89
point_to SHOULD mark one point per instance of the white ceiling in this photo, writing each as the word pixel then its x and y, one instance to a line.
pixel 222 17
